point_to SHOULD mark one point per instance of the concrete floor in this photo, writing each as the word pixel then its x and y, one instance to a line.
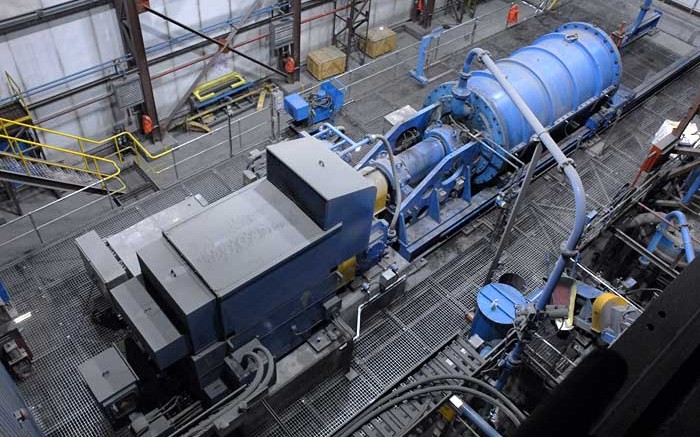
pixel 52 283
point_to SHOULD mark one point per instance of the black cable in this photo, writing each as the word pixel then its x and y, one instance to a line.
pixel 491 390
pixel 270 369
pixel 207 417
pixel 367 417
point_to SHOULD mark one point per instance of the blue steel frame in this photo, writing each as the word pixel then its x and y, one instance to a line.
pixel 424 197
pixel 642 26
pixel 419 73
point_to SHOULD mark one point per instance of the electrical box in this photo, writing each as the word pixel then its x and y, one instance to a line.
pixel 297 107
pixel 112 381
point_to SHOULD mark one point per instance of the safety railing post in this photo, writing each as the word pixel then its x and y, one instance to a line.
pixel 177 176
pixel 82 151
pixel 118 149
pixel 36 229
pixel 230 136
pixel 240 136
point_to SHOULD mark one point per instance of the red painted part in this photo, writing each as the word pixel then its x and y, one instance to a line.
pixel 513 15
pixel 649 163
pixel 289 65
pixel 147 124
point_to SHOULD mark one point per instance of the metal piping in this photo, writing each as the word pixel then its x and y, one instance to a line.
pixel 688 248
pixel 474 417
pixel 398 195
pixel 565 164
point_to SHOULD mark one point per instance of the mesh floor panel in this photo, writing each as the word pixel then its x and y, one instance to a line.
pixel 53 284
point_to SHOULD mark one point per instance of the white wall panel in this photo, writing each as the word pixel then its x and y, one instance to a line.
pixel 13 8
pixel 48 52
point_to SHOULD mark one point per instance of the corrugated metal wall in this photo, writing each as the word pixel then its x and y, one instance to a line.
pixel 52 51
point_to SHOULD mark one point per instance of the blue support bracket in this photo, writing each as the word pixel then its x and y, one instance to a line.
pixel 419 73
pixel 642 25
pixel 4 295
pixel 691 186
pixel 427 196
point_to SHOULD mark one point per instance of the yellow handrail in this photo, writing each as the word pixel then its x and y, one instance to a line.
pixel 101 175
pixel 80 140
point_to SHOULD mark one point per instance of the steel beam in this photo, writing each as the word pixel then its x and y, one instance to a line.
pixel 130 27
pixel 505 236
pixel 48 14
pixel 223 46
pixel 296 38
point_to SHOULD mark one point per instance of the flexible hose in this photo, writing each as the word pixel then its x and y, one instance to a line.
pixel 491 390
pixel 398 195
pixel 256 387
pixel 232 399
pixel 270 370
pixel 362 420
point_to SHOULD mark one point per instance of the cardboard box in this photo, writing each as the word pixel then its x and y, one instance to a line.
pixel 326 62
pixel 380 40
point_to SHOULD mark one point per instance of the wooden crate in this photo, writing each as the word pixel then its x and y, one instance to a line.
pixel 326 62
pixel 380 40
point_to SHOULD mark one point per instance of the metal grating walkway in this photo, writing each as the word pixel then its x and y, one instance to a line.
pixel 53 285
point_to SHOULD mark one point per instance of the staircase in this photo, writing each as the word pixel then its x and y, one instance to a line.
pixel 23 160
pixel 49 175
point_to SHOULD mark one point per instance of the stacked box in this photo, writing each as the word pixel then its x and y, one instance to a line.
pixel 380 40
pixel 326 62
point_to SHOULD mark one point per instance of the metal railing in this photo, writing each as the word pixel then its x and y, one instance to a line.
pixel 260 128
pixel 236 136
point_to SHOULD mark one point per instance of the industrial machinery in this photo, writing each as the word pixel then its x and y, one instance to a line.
pixel 222 98
pixel 247 302
pixel 218 89
pixel 316 107
pixel 15 355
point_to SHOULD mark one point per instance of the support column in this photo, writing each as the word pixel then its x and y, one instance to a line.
pixel 296 39
pixel 130 27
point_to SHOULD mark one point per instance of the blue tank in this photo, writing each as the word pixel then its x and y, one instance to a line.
pixel 558 75
pixel 496 307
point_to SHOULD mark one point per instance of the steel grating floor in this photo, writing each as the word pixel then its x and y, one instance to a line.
pixel 53 285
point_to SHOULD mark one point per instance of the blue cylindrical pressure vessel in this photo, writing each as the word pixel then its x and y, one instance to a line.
pixel 496 307
pixel 557 75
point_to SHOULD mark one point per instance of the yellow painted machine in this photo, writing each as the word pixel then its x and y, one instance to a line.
pixel 210 100
pixel 218 89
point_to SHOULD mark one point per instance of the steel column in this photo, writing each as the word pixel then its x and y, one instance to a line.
pixel 296 38
pixel 130 27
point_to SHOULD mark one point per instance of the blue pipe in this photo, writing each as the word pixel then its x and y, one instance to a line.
pixel 691 185
pixel 682 223
pixel 566 165
pixel 470 414
pixel 326 128
pixel 460 92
